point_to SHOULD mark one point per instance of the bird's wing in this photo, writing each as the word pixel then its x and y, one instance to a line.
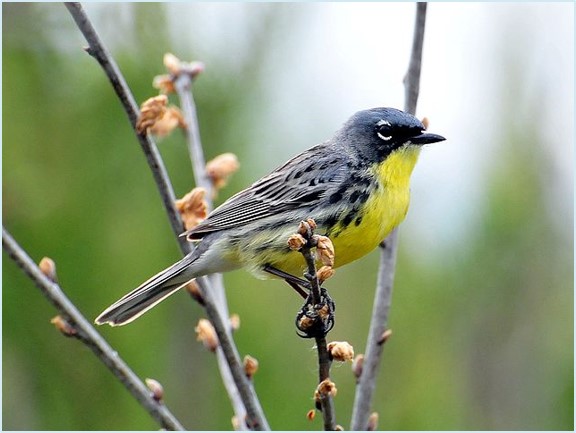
pixel 304 181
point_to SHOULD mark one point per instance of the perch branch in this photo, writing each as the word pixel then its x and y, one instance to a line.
pixel 383 296
pixel 85 332
pixel 324 361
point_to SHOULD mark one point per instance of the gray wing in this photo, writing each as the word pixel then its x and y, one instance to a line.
pixel 302 182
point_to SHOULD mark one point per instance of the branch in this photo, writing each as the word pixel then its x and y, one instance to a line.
pixel 97 50
pixel 85 332
pixel 316 307
pixel 383 297
pixel 240 390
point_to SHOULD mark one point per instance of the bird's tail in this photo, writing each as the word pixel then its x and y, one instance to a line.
pixel 149 293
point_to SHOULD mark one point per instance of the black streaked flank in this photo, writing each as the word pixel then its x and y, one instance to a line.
pixel 335 198
pixel 354 196
pixel 349 217
pixel 331 221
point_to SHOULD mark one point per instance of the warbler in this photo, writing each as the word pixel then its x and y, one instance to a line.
pixel 356 186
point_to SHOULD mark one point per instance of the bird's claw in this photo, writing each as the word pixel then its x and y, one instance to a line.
pixel 316 320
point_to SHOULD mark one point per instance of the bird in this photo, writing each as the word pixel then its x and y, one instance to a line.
pixel 355 186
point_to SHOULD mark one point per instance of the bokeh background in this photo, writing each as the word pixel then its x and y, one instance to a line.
pixel 482 309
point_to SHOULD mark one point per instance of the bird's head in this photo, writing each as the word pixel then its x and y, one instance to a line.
pixel 377 132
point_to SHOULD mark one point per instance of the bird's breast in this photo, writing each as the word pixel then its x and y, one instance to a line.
pixel 384 209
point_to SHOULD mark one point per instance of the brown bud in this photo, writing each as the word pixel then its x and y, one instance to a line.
pixel 311 223
pixel 220 168
pixel 372 422
pixel 385 336
pixel 234 322
pixel 63 326
pixel 250 366
pixel 193 207
pixel 171 119
pixel 325 250
pixel 425 122
pixel 192 288
pixel 296 242
pixel 341 351
pixel 317 399
pixel 156 388
pixel 311 414
pixel 151 111
pixel 156 118
pixel 193 69
pixel 48 268
pixel 327 388
pixel 357 365
pixel 324 273
pixel 305 323
pixel 206 334
pixel 172 63
pixel 324 312
pixel 305 227
pixel 164 83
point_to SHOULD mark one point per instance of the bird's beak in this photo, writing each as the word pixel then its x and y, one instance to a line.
pixel 426 138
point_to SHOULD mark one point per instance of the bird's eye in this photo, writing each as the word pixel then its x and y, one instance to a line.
pixel 384 130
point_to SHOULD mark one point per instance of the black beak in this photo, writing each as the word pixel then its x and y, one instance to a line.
pixel 426 138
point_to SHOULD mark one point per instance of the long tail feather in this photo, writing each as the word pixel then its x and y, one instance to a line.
pixel 148 294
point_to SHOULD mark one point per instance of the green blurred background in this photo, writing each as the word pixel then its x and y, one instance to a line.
pixel 483 302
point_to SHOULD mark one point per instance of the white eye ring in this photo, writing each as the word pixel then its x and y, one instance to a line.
pixel 384 137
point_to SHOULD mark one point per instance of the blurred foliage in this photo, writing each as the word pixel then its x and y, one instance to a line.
pixel 483 337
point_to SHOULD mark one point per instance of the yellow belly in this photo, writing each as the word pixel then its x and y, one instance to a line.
pixel 385 209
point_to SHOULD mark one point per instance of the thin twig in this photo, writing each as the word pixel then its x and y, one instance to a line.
pixel 373 353
pixel 383 296
pixel 240 391
pixel 183 86
pixel 86 333
pixel 97 50
pixel 412 77
pixel 254 419
pixel 326 400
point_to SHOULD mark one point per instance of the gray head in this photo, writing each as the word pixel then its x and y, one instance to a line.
pixel 377 132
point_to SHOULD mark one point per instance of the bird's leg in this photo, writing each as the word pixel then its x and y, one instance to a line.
pixel 298 284
pixel 313 318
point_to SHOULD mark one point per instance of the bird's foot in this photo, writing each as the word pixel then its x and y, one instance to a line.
pixel 316 320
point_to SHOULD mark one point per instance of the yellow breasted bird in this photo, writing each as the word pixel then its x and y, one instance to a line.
pixel 356 186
